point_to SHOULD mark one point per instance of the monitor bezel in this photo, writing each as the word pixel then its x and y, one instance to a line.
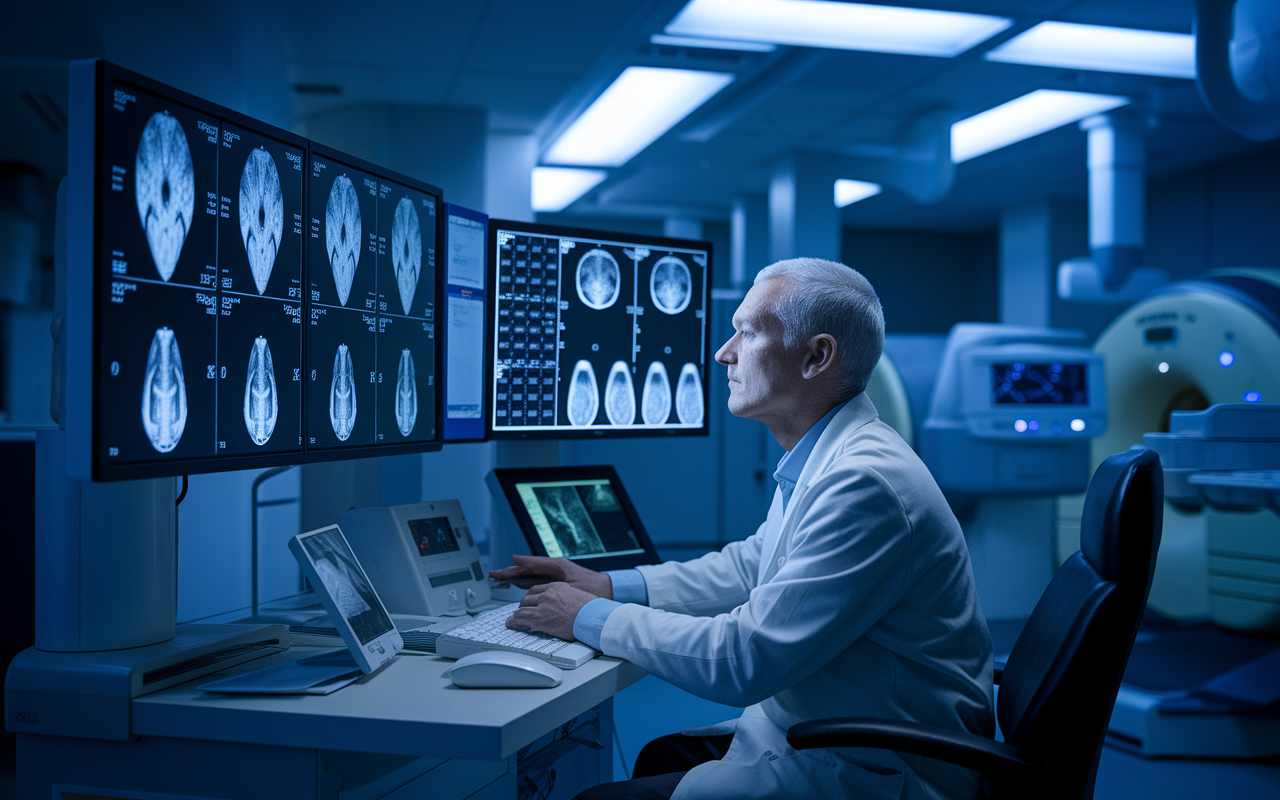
pixel 509 478
pixel 82 326
pixel 491 311
pixel 315 455
pixel 477 216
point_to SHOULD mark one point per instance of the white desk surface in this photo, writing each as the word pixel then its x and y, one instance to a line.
pixel 406 708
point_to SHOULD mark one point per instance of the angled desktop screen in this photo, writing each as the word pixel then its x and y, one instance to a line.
pixel 596 334
pixel 371 346
pixel 198 251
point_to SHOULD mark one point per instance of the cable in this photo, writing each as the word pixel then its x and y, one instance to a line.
pixel 182 495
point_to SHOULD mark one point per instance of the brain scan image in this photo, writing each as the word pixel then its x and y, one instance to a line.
pixel 689 395
pixel 342 234
pixel 670 285
pixel 584 394
pixel 342 394
pixel 656 406
pixel 406 394
pixel 406 251
pixel 261 215
pixel 599 279
pixel 164 393
pixel 620 395
pixel 165 185
pixel 260 399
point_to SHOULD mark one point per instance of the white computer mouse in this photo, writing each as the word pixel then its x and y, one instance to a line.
pixel 503 669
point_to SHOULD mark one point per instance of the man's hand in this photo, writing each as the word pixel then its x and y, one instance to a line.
pixel 550 608
pixel 533 570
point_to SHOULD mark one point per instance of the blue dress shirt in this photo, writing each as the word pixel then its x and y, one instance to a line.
pixel 629 585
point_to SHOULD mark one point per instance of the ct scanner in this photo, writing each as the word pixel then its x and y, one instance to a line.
pixel 1188 345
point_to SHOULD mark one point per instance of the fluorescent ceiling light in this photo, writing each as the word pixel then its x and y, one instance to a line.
pixel 556 187
pixel 843 26
pixel 848 191
pixel 1098 47
pixel 711 44
pixel 1027 116
pixel 641 105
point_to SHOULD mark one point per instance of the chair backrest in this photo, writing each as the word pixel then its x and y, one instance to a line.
pixel 1061 680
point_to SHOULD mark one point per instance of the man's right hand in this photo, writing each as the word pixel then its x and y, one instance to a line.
pixel 531 570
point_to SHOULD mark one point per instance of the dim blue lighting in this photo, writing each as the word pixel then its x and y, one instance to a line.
pixel 1252 397
pixel 1033 425
pixel 1077 425
pixel 1226 359
pixel 1020 425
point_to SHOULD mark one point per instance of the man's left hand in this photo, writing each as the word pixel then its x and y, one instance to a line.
pixel 550 608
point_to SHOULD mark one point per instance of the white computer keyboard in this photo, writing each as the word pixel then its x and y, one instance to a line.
pixel 489 631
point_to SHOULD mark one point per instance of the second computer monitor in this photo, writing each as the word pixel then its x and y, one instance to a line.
pixel 596 334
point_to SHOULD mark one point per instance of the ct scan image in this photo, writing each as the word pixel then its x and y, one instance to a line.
pixel 342 234
pixel 406 394
pixel 165 189
pixel 584 394
pixel 620 395
pixel 261 214
pixel 689 406
pixel 164 393
pixel 406 251
pixel 655 408
pixel 346 584
pixel 598 278
pixel 569 520
pixel 342 394
pixel 261 401
pixel 670 285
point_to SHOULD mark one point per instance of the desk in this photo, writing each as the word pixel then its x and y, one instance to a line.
pixel 406 726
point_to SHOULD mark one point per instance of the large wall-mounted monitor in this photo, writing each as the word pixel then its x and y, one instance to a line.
pixel 596 334
pixel 371 346
pixel 200 291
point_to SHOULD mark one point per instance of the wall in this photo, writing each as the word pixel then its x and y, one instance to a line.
pixel 927 281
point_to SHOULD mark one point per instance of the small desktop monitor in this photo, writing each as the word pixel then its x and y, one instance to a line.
pixel 466 240
pixel 184 278
pixel 372 354
pixel 579 513
pixel 596 334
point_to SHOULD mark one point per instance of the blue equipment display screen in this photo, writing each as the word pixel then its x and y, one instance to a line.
pixel 1022 383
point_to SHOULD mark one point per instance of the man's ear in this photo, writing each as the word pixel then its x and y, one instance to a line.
pixel 819 356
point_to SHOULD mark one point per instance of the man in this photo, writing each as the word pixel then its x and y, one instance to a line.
pixel 854 598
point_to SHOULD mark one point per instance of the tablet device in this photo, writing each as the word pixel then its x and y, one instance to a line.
pixel 344 589
pixel 579 513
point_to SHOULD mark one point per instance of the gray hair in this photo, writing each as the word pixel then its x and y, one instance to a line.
pixel 829 297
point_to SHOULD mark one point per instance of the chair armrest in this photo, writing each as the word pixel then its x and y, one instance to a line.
pixel 1002 763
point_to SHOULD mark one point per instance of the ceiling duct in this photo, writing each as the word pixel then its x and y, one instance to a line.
pixel 1238 64
pixel 1117 217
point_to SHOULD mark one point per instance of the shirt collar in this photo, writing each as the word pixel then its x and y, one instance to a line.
pixel 792 462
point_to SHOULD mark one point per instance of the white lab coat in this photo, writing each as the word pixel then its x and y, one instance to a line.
pixel 859 601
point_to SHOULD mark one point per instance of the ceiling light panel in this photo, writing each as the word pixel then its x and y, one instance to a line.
pixel 850 191
pixel 1102 48
pixel 711 44
pixel 1027 116
pixel 554 188
pixel 641 105
pixel 838 25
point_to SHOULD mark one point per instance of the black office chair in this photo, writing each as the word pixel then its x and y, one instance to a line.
pixel 1059 685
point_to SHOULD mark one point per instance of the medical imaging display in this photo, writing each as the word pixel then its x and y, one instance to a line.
pixel 198 297
pixel 371 334
pixel 595 333
pixel 1057 384
pixel 579 519
pixel 346 583
pixel 433 536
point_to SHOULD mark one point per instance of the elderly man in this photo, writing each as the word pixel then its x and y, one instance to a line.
pixel 854 598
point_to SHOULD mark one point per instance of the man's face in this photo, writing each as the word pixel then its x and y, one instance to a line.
pixel 762 374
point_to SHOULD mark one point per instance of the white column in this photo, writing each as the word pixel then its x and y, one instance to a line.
pixel 803 218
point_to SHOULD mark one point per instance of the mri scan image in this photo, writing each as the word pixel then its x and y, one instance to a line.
pixel 342 394
pixel 164 393
pixel 656 406
pixel 584 394
pixel 165 185
pixel 260 399
pixel 261 215
pixel 406 394
pixel 599 279
pixel 342 235
pixel 689 395
pixel 670 285
pixel 406 252
pixel 620 395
